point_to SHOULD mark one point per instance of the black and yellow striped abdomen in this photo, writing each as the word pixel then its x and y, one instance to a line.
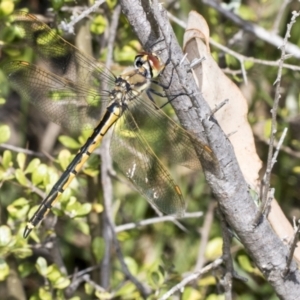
pixel 112 114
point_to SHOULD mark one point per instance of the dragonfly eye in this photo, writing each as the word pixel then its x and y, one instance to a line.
pixel 139 61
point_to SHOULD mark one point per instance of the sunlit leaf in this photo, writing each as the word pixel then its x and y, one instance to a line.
pixel 23 252
pixel 99 24
pixel 39 174
pixel 127 289
pixel 20 176
pixel 19 208
pixel 98 247
pixel 64 158
pixel 7 159
pixel 84 209
pixel 41 266
pixel 44 294
pixel 214 248
pixel 4 133
pixel 61 283
pixel 32 165
pixel 131 264
pixel 4 269
pixel 21 159
pixel 5 235
pixel 245 263
pixel 69 142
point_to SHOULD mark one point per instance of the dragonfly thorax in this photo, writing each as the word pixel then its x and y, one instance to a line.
pixel 149 63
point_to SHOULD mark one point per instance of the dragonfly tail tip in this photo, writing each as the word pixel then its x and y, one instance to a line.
pixel 26 232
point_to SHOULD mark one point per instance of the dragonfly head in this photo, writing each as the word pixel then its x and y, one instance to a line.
pixel 150 62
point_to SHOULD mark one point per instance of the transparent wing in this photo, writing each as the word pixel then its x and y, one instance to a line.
pixel 62 101
pixel 77 86
pixel 145 140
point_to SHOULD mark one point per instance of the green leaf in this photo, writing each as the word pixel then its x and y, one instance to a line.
pixel 214 248
pixel 215 297
pixel 32 165
pixel 39 174
pixel 131 264
pixel 21 159
pixel 208 280
pixel 245 263
pixel 125 54
pixel 20 176
pixel 58 280
pixel 72 207
pixel 44 294
pixel 57 4
pixel 41 266
pixel 267 128
pixel 98 248
pixel 5 235
pixel 105 295
pixel 84 209
pixel 4 133
pixel 127 289
pixel 157 278
pixel 248 64
pixel 22 252
pixel 2 101
pixel 7 159
pixel 4 269
pixel 19 208
pixel 61 283
pixel 6 7
pixel 69 142
pixel 97 208
pixel 25 268
pixel 64 158
pixel 91 172
pixel 98 25
pixel 190 293
pixel 296 169
pixel 88 288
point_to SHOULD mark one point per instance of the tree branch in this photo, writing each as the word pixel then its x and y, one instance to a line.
pixel 225 179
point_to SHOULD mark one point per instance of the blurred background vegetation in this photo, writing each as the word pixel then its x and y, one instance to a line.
pixel 159 255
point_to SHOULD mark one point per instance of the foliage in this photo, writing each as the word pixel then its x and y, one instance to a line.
pixel 157 254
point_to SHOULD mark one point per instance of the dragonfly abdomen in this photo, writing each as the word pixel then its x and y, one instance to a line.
pixel 112 114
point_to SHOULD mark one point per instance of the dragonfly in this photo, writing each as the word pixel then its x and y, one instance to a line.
pixel 72 89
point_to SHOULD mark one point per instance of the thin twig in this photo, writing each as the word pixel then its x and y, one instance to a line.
pixel 270 162
pixel 280 13
pixel 96 286
pixel 258 31
pixel 144 290
pixel 219 106
pixel 284 148
pixel 273 161
pixel 229 271
pixel 69 27
pixel 191 277
pixel 292 250
pixel 21 150
pixel 204 232
pixel 129 226
pixel 241 58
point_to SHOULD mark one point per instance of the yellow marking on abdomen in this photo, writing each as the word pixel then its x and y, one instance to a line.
pixel 71 177
pixel 178 190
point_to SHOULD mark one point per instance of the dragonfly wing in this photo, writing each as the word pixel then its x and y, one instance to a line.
pixel 59 56
pixel 62 101
pixel 174 144
pixel 137 161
